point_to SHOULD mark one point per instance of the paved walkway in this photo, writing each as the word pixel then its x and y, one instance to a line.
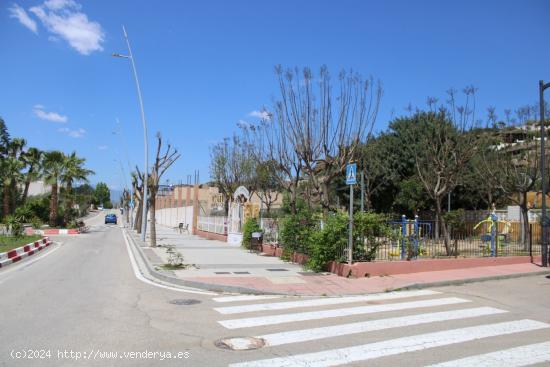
pixel 215 262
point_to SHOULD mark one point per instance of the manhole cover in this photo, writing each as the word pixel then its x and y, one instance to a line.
pixel 184 302
pixel 240 343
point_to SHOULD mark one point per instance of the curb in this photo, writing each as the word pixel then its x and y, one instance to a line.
pixel 446 283
pixel 194 284
pixel 15 255
pixel 244 290
pixel 56 232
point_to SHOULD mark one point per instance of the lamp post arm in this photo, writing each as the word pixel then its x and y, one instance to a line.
pixel 145 140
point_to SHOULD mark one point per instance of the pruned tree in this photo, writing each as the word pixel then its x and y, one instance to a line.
pixel 444 150
pixel 232 165
pixel 270 143
pixel 324 129
pixel 137 186
pixel 163 161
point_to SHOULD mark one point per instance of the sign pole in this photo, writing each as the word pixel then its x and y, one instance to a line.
pixel 351 179
pixel 350 237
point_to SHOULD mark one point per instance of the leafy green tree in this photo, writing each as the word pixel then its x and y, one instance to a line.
pixel 54 165
pixel 11 173
pixel 74 171
pixel 411 197
pixel 102 194
pixel 33 160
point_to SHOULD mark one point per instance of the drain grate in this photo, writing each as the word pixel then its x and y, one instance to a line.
pixel 276 269
pixel 241 272
pixel 184 302
pixel 222 272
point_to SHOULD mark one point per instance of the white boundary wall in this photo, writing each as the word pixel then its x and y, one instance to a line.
pixel 171 217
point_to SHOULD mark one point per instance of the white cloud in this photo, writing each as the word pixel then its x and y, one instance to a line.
pixel 49 116
pixel 102 147
pixel 21 15
pixel 78 133
pixel 264 115
pixel 242 124
pixel 64 19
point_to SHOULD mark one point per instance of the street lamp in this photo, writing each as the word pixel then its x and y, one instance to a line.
pixel 146 171
pixel 544 220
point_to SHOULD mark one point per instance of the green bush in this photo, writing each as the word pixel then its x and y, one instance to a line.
pixel 329 243
pixel 15 225
pixel 373 231
pixel 370 231
pixel 297 231
pixel 250 226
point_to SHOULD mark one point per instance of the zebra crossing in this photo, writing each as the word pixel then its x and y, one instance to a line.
pixel 276 325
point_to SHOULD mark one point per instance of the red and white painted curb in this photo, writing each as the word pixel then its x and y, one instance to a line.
pixel 12 256
pixel 52 232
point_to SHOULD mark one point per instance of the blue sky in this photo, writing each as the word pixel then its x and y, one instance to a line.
pixel 205 65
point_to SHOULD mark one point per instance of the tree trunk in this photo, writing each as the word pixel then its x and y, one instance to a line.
pixel 137 219
pixel 525 216
pixel 6 201
pixel 68 204
pixel 446 235
pixel 325 202
pixel 13 190
pixel 53 206
pixel 153 226
pixel 26 189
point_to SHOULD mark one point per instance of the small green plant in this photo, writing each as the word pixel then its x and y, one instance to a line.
pixel 175 258
pixel 15 225
pixel 250 226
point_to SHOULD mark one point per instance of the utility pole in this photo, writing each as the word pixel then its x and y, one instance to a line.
pixel 362 190
pixel 544 219
pixel 145 139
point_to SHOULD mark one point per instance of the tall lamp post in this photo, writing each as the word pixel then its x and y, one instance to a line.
pixel 544 219
pixel 146 171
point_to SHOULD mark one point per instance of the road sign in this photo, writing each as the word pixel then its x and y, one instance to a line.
pixel 351 174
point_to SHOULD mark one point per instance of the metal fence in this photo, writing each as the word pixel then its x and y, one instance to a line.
pixel 212 224
pixel 270 229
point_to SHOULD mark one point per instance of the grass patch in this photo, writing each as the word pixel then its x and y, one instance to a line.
pixel 8 243
pixel 173 267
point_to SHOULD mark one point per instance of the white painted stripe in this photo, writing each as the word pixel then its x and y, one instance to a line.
pixel 514 357
pixel 134 259
pixel 250 297
pixel 315 315
pixel 298 336
pixel 323 302
pixel 413 343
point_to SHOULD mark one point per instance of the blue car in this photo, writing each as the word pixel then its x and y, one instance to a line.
pixel 110 218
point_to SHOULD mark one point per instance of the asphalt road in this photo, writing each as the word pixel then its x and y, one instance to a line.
pixel 82 296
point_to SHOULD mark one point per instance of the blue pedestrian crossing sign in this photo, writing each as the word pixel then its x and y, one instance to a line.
pixel 351 174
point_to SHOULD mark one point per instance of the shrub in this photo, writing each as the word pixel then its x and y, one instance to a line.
pixel 370 231
pixel 328 244
pixel 296 232
pixel 250 226
pixel 15 225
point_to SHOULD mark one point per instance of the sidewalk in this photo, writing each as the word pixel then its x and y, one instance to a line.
pixel 218 265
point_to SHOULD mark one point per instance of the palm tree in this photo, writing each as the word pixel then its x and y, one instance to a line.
pixel 11 172
pixel 73 172
pixel 33 160
pixel 53 166
pixel 12 175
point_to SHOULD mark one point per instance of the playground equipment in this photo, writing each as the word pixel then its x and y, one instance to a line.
pixel 491 235
pixel 410 233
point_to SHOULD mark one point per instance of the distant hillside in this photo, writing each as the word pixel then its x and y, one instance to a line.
pixel 115 196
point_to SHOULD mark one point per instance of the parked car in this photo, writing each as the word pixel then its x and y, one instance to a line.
pixel 110 218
